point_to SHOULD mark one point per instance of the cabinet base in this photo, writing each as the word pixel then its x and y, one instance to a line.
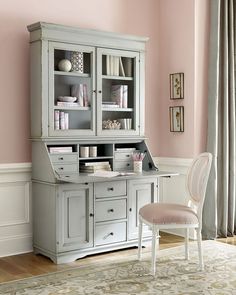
pixel 67 257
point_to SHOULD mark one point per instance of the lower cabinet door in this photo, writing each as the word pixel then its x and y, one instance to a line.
pixel 75 217
pixel 140 193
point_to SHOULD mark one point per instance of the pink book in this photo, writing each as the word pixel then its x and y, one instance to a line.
pixel 85 93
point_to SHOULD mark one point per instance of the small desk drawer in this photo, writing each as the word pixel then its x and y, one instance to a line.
pixel 123 156
pixel 66 168
pixel 110 189
pixel 110 233
pixel 110 210
pixel 64 158
pixel 122 165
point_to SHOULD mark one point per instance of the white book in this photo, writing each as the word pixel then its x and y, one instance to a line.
pixel 66 121
pixel 121 68
pixel 67 104
pixel 108 65
pixel 81 95
pixel 62 120
pixel 125 96
pixel 61 149
pixel 94 163
pixel 112 65
pixel 116 65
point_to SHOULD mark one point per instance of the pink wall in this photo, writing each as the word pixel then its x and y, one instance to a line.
pixel 124 16
pixel 168 23
pixel 183 47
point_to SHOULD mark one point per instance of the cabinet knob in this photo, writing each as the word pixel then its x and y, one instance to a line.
pixel 128 165
pixel 130 209
pixel 61 158
pixel 99 91
pixel 110 210
pixel 91 214
pixel 60 168
pixel 110 189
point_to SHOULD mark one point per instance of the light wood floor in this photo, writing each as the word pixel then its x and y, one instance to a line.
pixel 27 265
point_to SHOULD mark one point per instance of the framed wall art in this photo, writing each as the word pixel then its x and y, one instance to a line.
pixel 176 119
pixel 177 86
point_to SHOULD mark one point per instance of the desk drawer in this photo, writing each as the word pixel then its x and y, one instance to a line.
pixel 64 158
pixel 110 233
pixel 123 165
pixel 110 189
pixel 66 168
pixel 110 210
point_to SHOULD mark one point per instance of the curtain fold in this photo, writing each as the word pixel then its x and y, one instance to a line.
pixel 219 213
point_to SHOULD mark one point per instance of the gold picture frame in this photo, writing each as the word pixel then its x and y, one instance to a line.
pixel 177 86
pixel 176 119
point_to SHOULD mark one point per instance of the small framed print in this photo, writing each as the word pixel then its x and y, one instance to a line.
pixel 177 86
pixel 176 119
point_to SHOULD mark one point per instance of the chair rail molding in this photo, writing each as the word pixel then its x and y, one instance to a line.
pixel 173 190
pixel 15 209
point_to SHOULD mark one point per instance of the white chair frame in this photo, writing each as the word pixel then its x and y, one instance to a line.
pixel 196 203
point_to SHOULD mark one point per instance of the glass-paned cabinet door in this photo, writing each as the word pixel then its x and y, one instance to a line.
pixel 71 90
pixel 118 92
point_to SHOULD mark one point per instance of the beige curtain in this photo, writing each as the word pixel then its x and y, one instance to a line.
pixel 219 214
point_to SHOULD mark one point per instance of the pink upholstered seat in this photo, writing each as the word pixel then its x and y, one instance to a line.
pixel 161 216
pixel 168 214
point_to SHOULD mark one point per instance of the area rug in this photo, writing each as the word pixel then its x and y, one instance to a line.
pixel 174 275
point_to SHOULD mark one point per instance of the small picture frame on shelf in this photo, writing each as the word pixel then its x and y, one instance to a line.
pixel 177 86
pixel 176 119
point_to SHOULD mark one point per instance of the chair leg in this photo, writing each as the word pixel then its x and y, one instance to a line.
pixel 154 240
pixel 140 233
pixel 199 241
pixel 187 243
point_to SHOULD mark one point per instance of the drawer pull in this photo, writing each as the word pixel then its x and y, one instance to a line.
pixel 130 209
pixel 128 164
pixel 110 189
pixel 91 214
pixel 106 236
pixel 60 168
pixel 128 156
pixel 110 210
pixel 61 158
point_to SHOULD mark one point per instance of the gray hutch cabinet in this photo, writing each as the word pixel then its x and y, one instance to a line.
pixel 87 116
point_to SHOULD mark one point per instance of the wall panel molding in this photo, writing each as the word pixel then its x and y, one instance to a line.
pixel 15 209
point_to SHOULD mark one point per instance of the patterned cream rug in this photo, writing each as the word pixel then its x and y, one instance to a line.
pixel 174 276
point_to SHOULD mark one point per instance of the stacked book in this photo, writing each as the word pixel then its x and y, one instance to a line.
pixel 110 104
pixel 114 66
pixel 81 92
pixel 119 94
pixel 60 149
pixel 91 167
pixel 61 120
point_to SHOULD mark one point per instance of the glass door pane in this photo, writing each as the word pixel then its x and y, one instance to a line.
pixel 71 90
pixel 118 92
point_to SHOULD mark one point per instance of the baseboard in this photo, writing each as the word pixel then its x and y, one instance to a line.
pixel 15 208
pixel 15 245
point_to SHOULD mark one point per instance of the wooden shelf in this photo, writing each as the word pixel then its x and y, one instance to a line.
pixel 96 158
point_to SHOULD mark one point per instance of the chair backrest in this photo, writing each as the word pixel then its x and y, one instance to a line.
pixel 197 179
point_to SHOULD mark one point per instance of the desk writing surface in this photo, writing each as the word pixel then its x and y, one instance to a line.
pixel 84 177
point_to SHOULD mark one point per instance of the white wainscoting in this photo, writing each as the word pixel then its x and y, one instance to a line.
pixel 15 209
pixel 173 189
